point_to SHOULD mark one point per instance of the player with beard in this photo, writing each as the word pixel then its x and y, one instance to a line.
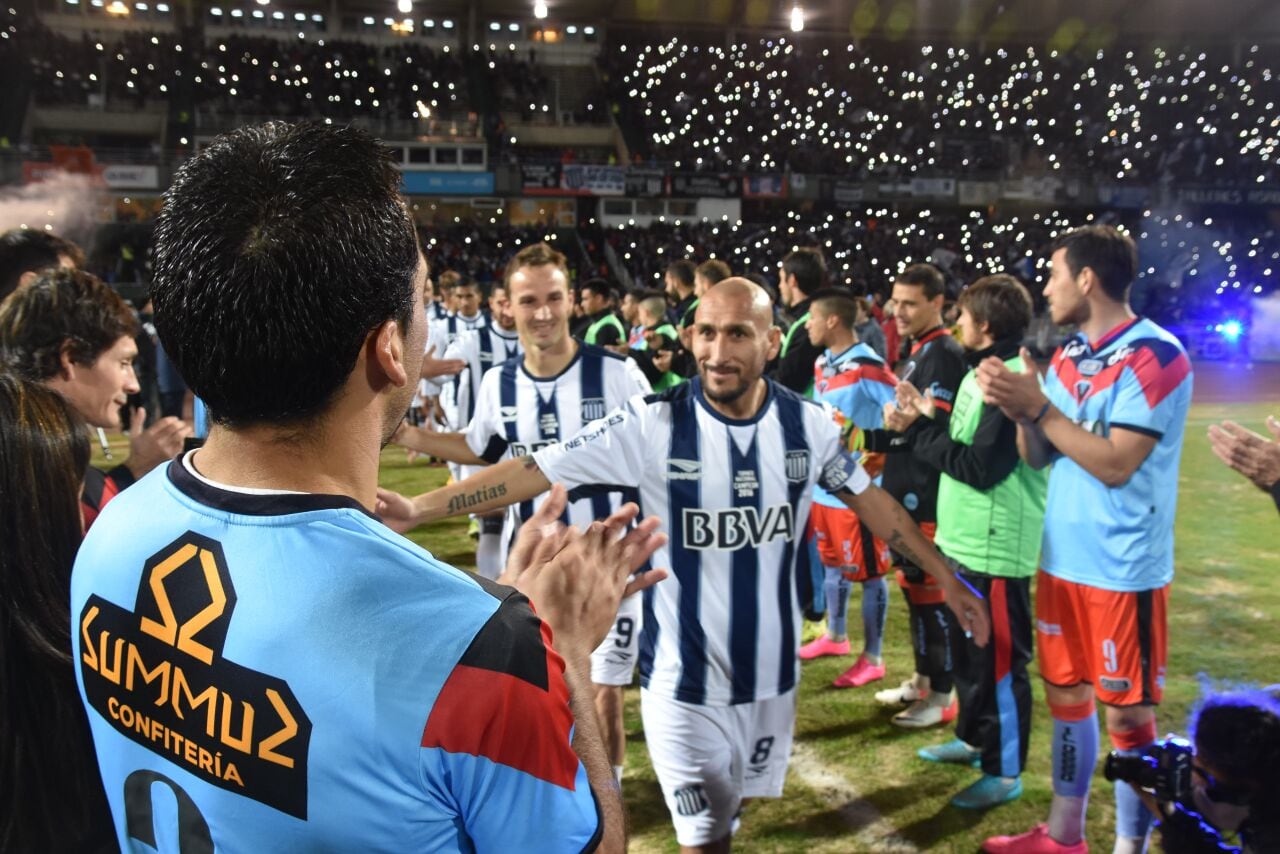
pixel 729 462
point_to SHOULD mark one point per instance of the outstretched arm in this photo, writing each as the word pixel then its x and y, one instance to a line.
pixel 447 446
pixel 508 482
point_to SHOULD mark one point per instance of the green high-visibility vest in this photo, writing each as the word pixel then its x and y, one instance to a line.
pixel 994 531
pixel 610 319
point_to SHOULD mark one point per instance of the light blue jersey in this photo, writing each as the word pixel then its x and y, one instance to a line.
pixel 856 384
pixel 271 671
pixel 1138 377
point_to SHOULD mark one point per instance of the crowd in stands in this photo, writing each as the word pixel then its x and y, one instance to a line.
pixel 897 110
pixel 813 104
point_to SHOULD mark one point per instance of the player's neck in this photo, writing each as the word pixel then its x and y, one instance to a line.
pixel 840 341
pixel 1104 316
pixel 551 361
pixel 326 463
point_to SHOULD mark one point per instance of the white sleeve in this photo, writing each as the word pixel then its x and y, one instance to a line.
pixel 636 376
pixel 484 435
pixel 837 469
pixel 608 453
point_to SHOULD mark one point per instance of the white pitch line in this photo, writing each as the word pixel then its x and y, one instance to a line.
pixel 871 832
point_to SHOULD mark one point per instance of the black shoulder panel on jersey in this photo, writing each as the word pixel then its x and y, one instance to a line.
pixel 510 642
pixel 592 349
pixel 677 392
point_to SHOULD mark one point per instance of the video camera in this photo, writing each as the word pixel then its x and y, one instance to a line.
pixel 1164 769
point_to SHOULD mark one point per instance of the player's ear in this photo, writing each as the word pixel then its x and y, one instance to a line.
pixel 774 342
pixel 386 350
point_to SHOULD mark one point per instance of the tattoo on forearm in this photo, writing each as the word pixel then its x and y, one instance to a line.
pixel 898 542
pixel 466 500
pixel 530 463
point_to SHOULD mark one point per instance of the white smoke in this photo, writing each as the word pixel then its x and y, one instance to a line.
pixel 69 205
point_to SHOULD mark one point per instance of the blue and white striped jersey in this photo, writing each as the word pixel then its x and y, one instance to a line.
pixel 440 336
pixel 481 349
pixel 735 497
pixel 517 413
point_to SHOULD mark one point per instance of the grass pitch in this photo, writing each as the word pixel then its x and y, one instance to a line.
pixel 855 782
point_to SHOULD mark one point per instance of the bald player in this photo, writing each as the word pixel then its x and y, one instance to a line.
pixel 729 462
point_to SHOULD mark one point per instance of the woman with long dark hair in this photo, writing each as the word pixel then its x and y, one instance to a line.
pixel 51 797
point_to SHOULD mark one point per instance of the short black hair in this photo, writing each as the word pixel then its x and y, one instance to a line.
pixel 837 302
pixel 25 250
pixel 61 308
pixel 809 268
pixel 1001 302
pixel 924 276
pixel 1109 252
pixel 279 249
pixel 601 288
pixel 683 270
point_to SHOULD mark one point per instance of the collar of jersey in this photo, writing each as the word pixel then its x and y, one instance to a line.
pixel 846 354
pixel 576 356
pixel 733 422
pixel 230 500
pixel 1111 336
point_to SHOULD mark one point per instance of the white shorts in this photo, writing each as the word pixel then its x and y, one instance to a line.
pixel 465 471
pixel 614 661
pixel 709 758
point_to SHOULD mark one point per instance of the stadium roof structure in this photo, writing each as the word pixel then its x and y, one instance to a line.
pixel 1171 22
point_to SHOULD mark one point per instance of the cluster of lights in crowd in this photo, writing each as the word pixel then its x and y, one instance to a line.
pixel 867 247
pixel 769 103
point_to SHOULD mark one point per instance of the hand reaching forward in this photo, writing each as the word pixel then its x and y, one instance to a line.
pixel 395 510
pixel 575 579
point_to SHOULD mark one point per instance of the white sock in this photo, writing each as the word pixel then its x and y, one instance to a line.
pixel 617 772
pixel 489 555
pixel 1066 819
pixel 1129 845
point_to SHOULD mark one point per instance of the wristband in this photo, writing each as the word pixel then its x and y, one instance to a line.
pixel 1041 413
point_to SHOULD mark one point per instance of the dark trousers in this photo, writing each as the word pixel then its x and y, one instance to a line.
pixel 935 639
pixel 992 682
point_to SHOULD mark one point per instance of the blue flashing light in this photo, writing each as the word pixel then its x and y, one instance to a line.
pixel 1230 330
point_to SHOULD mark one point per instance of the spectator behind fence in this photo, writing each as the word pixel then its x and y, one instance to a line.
pixel 50 796
pixel 68 330
pixel 412 706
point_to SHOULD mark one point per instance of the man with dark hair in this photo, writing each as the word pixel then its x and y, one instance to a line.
pixel 856 383
pixel 1110 417
pixel 705 275
pixel 25 251
pixel 990 517
pixel 800 275
pixel 372 697
pixel 679 282
pixel 936 363
pixel 601 324
pixel 70 331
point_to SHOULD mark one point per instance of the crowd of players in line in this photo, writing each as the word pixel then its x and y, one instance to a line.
pixel 749 481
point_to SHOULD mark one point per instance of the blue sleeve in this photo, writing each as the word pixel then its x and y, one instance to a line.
pixel 497 745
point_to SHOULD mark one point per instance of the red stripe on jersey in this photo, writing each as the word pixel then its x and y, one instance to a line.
pixel 871 373
pixel 508 720
pixel 1159 380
